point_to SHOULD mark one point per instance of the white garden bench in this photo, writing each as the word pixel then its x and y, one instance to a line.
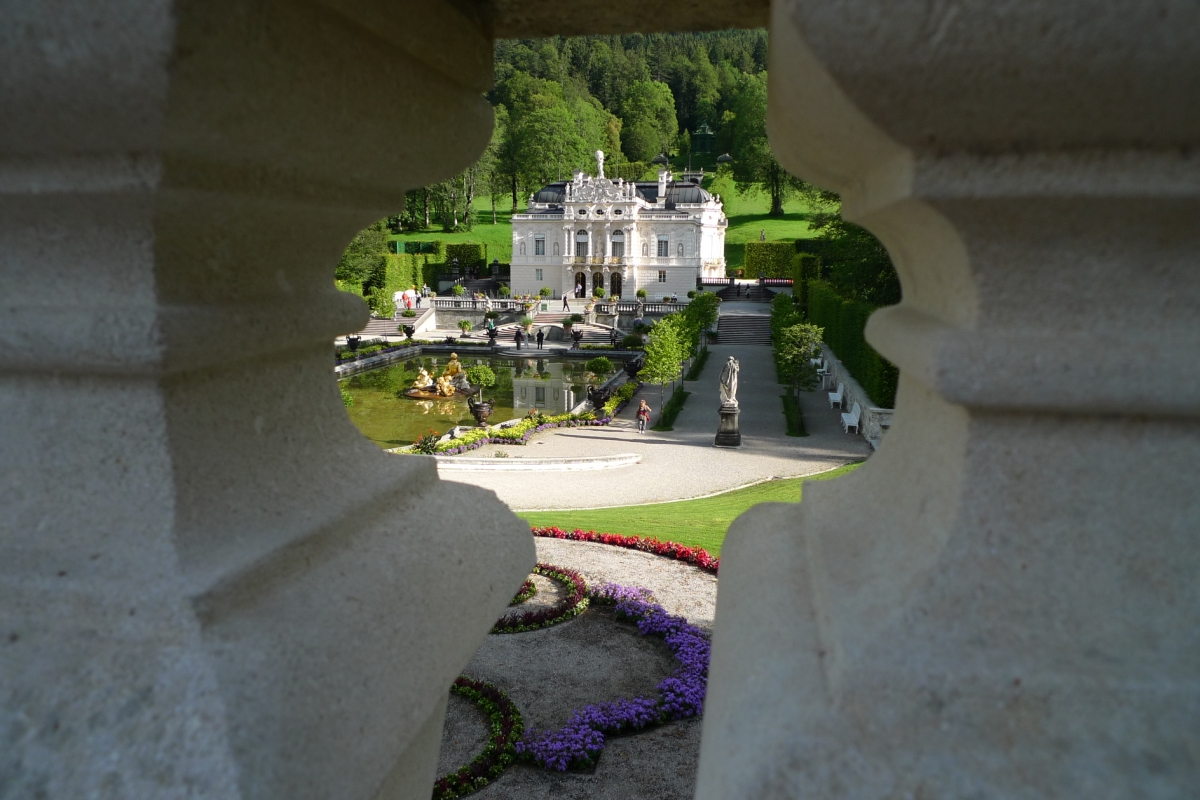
pixel 851 420
pixel 835 398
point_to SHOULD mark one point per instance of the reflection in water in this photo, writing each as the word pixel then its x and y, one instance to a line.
pixel 388 418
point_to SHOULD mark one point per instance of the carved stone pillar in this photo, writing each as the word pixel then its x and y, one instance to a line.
pixel 211 585
pixel 1003 601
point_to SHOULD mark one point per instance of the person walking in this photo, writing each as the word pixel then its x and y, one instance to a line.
pixel 566 305
pixel 612 337
pixel 518 337
pixel 643 416
pixel 541 337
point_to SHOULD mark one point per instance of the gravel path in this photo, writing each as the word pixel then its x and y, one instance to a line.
pixel 682 463
pixel 593 658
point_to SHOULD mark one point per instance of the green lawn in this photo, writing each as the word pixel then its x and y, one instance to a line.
pixel 498 237
pixel 696 523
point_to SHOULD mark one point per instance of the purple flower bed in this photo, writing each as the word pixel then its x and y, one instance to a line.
pixel 569 607
pixel 579 743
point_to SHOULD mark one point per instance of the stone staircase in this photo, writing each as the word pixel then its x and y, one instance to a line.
pixel 755 293
pixel 747 329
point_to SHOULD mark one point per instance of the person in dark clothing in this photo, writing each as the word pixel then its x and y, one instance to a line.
pixel 566 305
pixel 540 338
pixel 518 337
pixel 612 337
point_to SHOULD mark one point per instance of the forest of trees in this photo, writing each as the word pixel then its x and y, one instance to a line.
pixel 559 100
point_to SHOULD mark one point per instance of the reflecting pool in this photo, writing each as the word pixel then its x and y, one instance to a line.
pixel 388 418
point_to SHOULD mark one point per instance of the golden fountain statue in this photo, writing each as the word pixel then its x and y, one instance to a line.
pixel 451 383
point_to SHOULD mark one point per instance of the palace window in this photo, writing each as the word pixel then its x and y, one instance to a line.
pixel 539 245
pixel 581 243
pixel 539 275
pixel 664 247
pixel 662 276
pixel 618 244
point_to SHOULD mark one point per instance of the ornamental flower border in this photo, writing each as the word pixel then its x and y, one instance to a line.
pixel 696 556
pixel 528 590
pixel 499 752
pixel 579 743
pixel 569 607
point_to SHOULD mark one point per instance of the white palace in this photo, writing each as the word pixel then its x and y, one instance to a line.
pixel 619 236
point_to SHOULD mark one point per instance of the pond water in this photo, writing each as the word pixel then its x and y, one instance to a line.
pixel 388 418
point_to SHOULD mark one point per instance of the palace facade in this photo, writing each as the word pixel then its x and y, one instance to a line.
pixel 620 236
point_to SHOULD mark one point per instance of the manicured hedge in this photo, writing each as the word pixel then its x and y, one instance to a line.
pixel 844 321
pixel 436 249
pixel 770 259
pixel 805 267
pixel 469 254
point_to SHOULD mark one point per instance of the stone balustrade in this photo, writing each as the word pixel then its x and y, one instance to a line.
pixel 875 421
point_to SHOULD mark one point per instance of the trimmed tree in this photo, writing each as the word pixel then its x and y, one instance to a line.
pixel 663 360
pixel 795 348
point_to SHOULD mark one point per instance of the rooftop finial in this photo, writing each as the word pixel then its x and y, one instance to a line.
pixel 599 163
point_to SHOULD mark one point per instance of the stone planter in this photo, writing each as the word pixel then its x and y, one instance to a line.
pixel 480 410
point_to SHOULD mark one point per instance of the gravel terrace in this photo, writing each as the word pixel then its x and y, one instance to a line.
pixel 682 463
pixel 593 658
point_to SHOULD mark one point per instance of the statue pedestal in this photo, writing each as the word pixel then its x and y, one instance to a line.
pixel 728 432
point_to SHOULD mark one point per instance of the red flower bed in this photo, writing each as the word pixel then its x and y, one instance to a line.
pixel 696 556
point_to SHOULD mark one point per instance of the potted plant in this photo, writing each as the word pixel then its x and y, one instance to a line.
pixel 527 323
pixel 457 290
pixel 408 312
pixel 505 291
pixel 545 291
pixel 482 377
pixel 464 325
pixel 640 294
pixel 571 321
pixel 598 293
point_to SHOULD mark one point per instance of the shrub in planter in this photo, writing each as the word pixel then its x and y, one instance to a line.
pixel 505 291
pixel 457 290
pixel 492 315
pixel 600 365
pixel 526 322
pixel 632 342
pixel 641 294
pixel 408 312
pixel 545 291
pixel 598 292
pixel 464 325
pixel 575 319
pixel 692 294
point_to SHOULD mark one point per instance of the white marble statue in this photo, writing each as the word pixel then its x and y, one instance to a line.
pixel 729 382
pixel 599 163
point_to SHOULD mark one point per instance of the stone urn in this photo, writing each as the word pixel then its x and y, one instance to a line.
pixel 480 409
pixel 409 330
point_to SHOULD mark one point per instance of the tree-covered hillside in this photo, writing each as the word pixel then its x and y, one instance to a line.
pixel 559 100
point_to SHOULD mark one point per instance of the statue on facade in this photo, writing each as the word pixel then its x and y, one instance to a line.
pixel 599 163
pixel 729 382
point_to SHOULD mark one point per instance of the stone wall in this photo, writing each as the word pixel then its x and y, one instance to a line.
pixel 875 421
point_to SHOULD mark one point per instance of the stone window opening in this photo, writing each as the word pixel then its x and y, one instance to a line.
pixel 581 244
pixel 664 247
pixel 662 276
pixel 539 245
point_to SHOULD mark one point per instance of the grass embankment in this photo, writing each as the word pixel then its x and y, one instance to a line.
pixel 696 523
pixel 793 416
pixel 666 420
